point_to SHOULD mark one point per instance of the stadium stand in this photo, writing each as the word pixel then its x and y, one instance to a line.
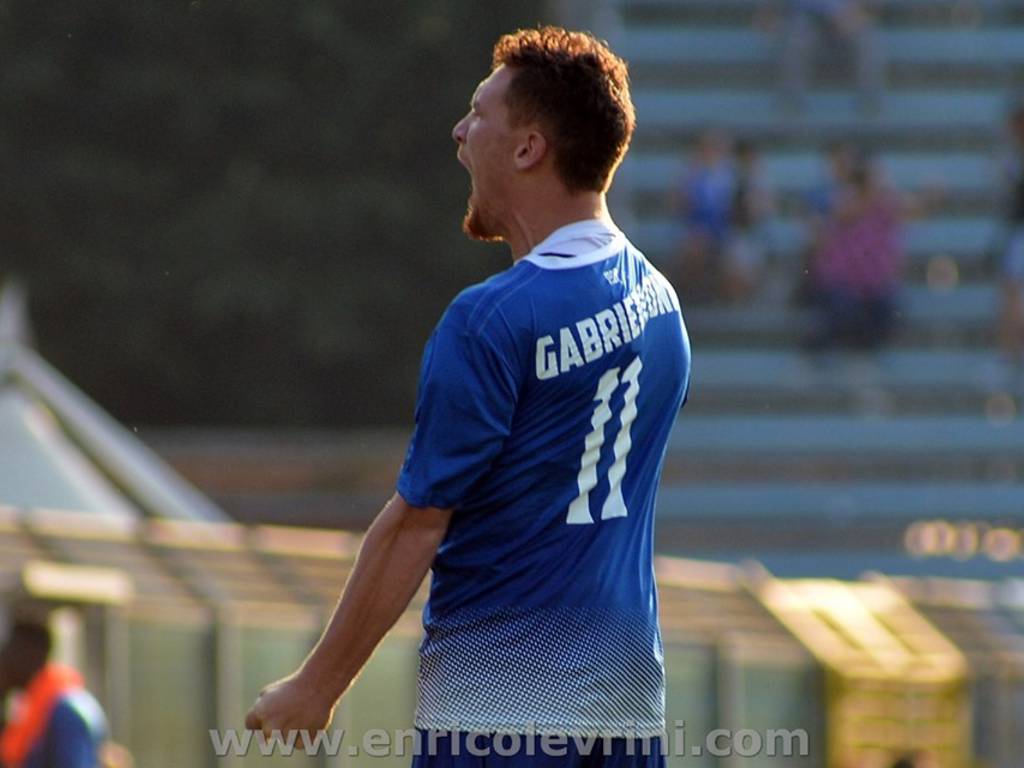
pixel 925 429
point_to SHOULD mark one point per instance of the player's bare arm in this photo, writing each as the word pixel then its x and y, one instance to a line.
pixel 394 558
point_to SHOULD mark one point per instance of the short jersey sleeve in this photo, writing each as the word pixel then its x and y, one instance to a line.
pixel 469 383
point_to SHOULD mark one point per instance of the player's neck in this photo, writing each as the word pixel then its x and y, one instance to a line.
pixel 532 223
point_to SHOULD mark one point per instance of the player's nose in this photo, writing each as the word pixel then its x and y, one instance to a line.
pixel 459 131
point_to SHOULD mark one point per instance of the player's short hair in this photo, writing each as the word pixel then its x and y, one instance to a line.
pixel 578 89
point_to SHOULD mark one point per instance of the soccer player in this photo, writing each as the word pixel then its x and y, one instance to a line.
pixel 546 399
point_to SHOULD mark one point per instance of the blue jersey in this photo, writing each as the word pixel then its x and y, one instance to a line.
pixel 546 398
pixel 73 736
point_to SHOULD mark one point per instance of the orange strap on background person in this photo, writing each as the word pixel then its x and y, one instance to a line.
pixel 32 712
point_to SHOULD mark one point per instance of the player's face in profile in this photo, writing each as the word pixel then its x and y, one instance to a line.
pixel 486 144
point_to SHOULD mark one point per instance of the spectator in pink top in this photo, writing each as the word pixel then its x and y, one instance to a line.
pixel 858 272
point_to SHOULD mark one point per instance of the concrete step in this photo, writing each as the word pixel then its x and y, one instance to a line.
pixel 747 381
pixel 791 135
pixel 968 240
pixel 967 310
pixel 864 467
pixel 919 111
pixel 798 173
pixel 846 503
pixel 743 12
pixel 826 437
pixel 991 47
pixel 799 561
pixel 789 204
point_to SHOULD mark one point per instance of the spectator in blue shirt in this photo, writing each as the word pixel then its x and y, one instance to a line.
pixel 705 199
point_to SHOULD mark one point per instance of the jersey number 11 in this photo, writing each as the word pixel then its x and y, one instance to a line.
pixel 614 505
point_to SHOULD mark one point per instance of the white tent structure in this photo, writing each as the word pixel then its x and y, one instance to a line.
pixel 59 450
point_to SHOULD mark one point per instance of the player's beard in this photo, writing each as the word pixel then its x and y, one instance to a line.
pixel 478 224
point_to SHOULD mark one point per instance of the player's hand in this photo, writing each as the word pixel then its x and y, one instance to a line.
pixel 292 704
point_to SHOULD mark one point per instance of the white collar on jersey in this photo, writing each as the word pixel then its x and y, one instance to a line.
pixel 577 245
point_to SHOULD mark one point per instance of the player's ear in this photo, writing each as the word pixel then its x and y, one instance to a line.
pixel 530 151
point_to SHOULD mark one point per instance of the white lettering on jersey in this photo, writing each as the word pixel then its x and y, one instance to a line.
pixel 609 329
pixel 623 323
pixel 593 337
pixel 547 360
pixel 571 357
pixel 635 328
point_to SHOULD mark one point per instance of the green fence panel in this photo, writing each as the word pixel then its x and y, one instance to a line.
pixel 775 712
pixel 172 690
pixel 381 704
pixel 690 700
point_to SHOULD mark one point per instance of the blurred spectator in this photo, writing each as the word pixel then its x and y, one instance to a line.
pixel 56 722
pixel 1011 317
pixel 706 199
pixel 857 273
pixel 847 23
pixel 752 203
pixel 822 200
pixel 820 204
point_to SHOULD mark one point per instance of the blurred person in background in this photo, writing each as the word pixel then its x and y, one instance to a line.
pixel 705 199
pixel 857 273
pixel 840 159
pixel 819 205
pixel 56 722
pixel 1011 316
pixel 844 26
pixel 745 247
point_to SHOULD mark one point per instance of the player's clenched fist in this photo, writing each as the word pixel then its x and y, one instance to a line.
pixel 295 703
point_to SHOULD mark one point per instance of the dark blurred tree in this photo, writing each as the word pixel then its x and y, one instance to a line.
pixel 241 212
